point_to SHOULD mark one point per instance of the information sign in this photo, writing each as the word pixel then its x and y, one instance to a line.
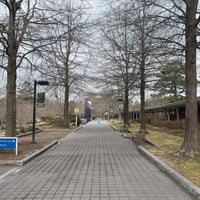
pixel 41 99
pixel 9 143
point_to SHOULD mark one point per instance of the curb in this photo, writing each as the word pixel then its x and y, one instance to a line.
pixel 33 155
pixel 113 127
pixel 152 143
pixel 185 183
pixel 37 153
pixel 122 134
pixel 25 160
pixel 9 173
pixel 21 163
pixel 28 133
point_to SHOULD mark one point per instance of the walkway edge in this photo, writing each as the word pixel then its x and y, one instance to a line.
pixel 27 159
pixel 9 173
pixel 188 185
pixel 35 154
pixel 20 163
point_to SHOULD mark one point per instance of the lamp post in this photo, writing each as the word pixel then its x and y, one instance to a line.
pixel 34 106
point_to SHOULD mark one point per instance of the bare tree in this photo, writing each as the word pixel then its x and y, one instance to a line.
pixel 120 71
pixel 67 56
pixel 15 19
pixel 190 145
pixel 145 52
pixel 184 15
pixel 22 34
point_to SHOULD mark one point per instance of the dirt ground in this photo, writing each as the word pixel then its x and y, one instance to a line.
pixel 26 148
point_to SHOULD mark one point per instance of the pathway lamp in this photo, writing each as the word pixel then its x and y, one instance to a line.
pixel 34 106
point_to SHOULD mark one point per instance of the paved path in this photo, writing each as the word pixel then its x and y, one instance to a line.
pixel 93 163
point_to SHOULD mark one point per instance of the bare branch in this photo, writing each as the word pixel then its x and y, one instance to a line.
pixel 187 2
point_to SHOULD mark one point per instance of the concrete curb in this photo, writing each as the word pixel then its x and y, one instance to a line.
pixel 35 154
pixel 113 127
pixel 9 173
pixel 122 134
pixel 21 163
pixel 28 133
pixel 185 183
pixel 152 143
pixel 27 159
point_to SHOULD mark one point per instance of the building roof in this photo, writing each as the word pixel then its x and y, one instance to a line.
pixel 176 104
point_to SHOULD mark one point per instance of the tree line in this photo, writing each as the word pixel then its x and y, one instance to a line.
pixel 146 45
pixel 50 39
pixel 133 44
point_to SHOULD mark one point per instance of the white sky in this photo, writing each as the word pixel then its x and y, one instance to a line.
pixel 97 6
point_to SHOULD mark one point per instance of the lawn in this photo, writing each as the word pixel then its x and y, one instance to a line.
pixel 169 144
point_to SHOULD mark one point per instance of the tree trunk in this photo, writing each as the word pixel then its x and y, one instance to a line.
pixel 11 76
pixel 126 91
pixel 142 105
pixel 67 61
pixel 142 130
pixel 190 144
pixel 11 99
pixel 126 106
pixel 66 103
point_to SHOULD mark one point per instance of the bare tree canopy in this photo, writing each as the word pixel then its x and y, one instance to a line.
pixel 14 26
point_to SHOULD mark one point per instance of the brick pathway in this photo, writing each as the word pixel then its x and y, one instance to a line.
pixel 93 163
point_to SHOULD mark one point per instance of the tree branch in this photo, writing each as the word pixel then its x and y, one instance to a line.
pixel 187 2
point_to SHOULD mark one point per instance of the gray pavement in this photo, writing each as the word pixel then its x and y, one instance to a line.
pixel 92 163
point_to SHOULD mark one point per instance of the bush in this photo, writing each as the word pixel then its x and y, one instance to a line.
pixel 46 118
pixel 56 121
pixel 30 128
pixel 21 129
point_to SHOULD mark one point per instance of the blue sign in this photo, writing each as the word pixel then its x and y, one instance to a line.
pixel 8 143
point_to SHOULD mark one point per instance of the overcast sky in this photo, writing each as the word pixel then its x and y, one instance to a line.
pixel 96 9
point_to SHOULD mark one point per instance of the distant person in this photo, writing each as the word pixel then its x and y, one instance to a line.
pixel 78 121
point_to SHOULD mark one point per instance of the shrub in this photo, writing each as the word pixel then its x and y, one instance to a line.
pixel 166 123
pixel 56 121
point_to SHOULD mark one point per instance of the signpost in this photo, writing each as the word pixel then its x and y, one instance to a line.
pixel 34 105
pixel 9 143
pixel 41 99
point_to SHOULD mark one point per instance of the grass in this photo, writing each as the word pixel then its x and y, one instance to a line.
pixel 169 142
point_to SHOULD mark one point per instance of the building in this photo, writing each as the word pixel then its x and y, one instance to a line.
pixel 170 111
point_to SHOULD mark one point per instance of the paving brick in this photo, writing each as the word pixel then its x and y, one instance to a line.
pixel 92 163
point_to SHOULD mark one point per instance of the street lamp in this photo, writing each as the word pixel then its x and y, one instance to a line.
pixel 34 106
